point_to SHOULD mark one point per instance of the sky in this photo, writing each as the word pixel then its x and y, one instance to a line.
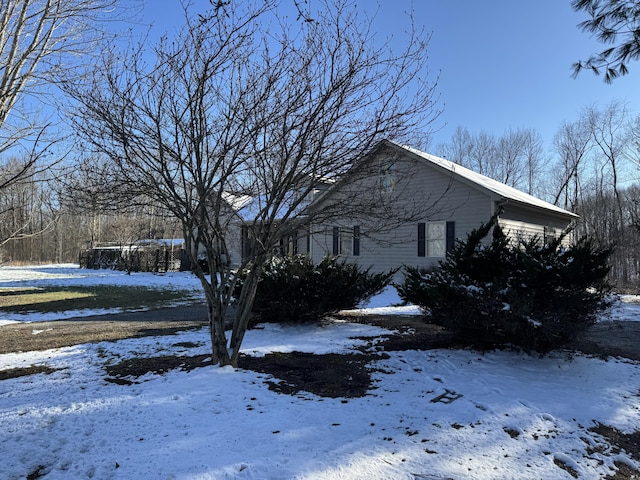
pixel 500 64
pixel 506 64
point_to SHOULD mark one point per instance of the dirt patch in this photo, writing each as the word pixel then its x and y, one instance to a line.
pixel 614 443
pixel 127 372
pixel 329 375
pixel 26 337
pixel 629 442
pixel 26 371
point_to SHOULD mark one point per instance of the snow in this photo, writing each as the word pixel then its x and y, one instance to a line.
pixel 69 275
pixel 433 414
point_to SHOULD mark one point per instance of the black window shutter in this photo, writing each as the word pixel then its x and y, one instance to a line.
pixel 336 240
pixel 245 243
pixel 451 235
pixel 356 240
pixel 422 237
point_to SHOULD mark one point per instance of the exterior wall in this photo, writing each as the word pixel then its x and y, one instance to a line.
pixel 426 195
pixel 387 200
pixel 518 221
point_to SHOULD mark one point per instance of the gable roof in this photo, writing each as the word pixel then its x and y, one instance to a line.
pixel 482 182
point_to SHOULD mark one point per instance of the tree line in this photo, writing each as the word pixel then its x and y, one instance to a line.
pixel 591 169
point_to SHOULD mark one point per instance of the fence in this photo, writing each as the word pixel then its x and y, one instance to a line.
pixel 144 259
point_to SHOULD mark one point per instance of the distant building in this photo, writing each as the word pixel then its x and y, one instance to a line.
pixel 154 255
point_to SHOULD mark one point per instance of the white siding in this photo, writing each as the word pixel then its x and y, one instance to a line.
pixel 430 196
pixel 427 193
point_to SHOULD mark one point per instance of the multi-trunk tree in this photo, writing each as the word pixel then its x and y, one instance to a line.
pixel 245 103
pixel 515 158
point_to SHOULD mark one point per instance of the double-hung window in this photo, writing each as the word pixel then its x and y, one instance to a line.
pixel 435 238
pixel 346 241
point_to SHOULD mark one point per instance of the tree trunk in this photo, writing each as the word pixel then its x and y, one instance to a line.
pixel 217 332
pixel 245 305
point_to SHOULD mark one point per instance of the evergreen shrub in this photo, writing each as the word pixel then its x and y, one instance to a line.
pixel 533 295
pixel 292 289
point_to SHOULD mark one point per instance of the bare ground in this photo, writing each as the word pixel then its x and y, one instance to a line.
pixel 24 337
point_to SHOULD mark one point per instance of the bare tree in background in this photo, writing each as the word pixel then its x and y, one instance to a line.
pixel 609 132
pixel 572 143
pixel 633 132
pixel 534 159
pixel 515 158
pixel 473 151
pixel 245 105
pixel 38 40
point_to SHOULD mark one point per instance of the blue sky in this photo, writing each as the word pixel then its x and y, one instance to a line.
pixel 501 63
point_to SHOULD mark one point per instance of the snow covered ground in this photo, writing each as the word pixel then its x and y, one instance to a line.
pixel 433 415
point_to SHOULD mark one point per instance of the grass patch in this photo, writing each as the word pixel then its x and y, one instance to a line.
pixel 29 298
pixel 25 371
pixel 62 299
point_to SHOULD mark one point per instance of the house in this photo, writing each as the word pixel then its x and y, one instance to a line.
pixel 433 202
pixel 400 206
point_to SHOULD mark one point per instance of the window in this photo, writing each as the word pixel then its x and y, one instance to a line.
pixel 435 238
pixel 387 177
pixel 346 241
pixel 550 234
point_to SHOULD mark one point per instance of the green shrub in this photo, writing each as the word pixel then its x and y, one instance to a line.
pixel 294 290
pixel 533 295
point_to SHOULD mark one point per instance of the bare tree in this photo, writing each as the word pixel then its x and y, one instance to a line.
pixel 633 132
pixel 39 39
pixel 474 151
pixel 510 156
pixel 572 142
pixel 245 105
pixel 459 149
pixel 534 159
pixel 514 158
pixel 609 129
